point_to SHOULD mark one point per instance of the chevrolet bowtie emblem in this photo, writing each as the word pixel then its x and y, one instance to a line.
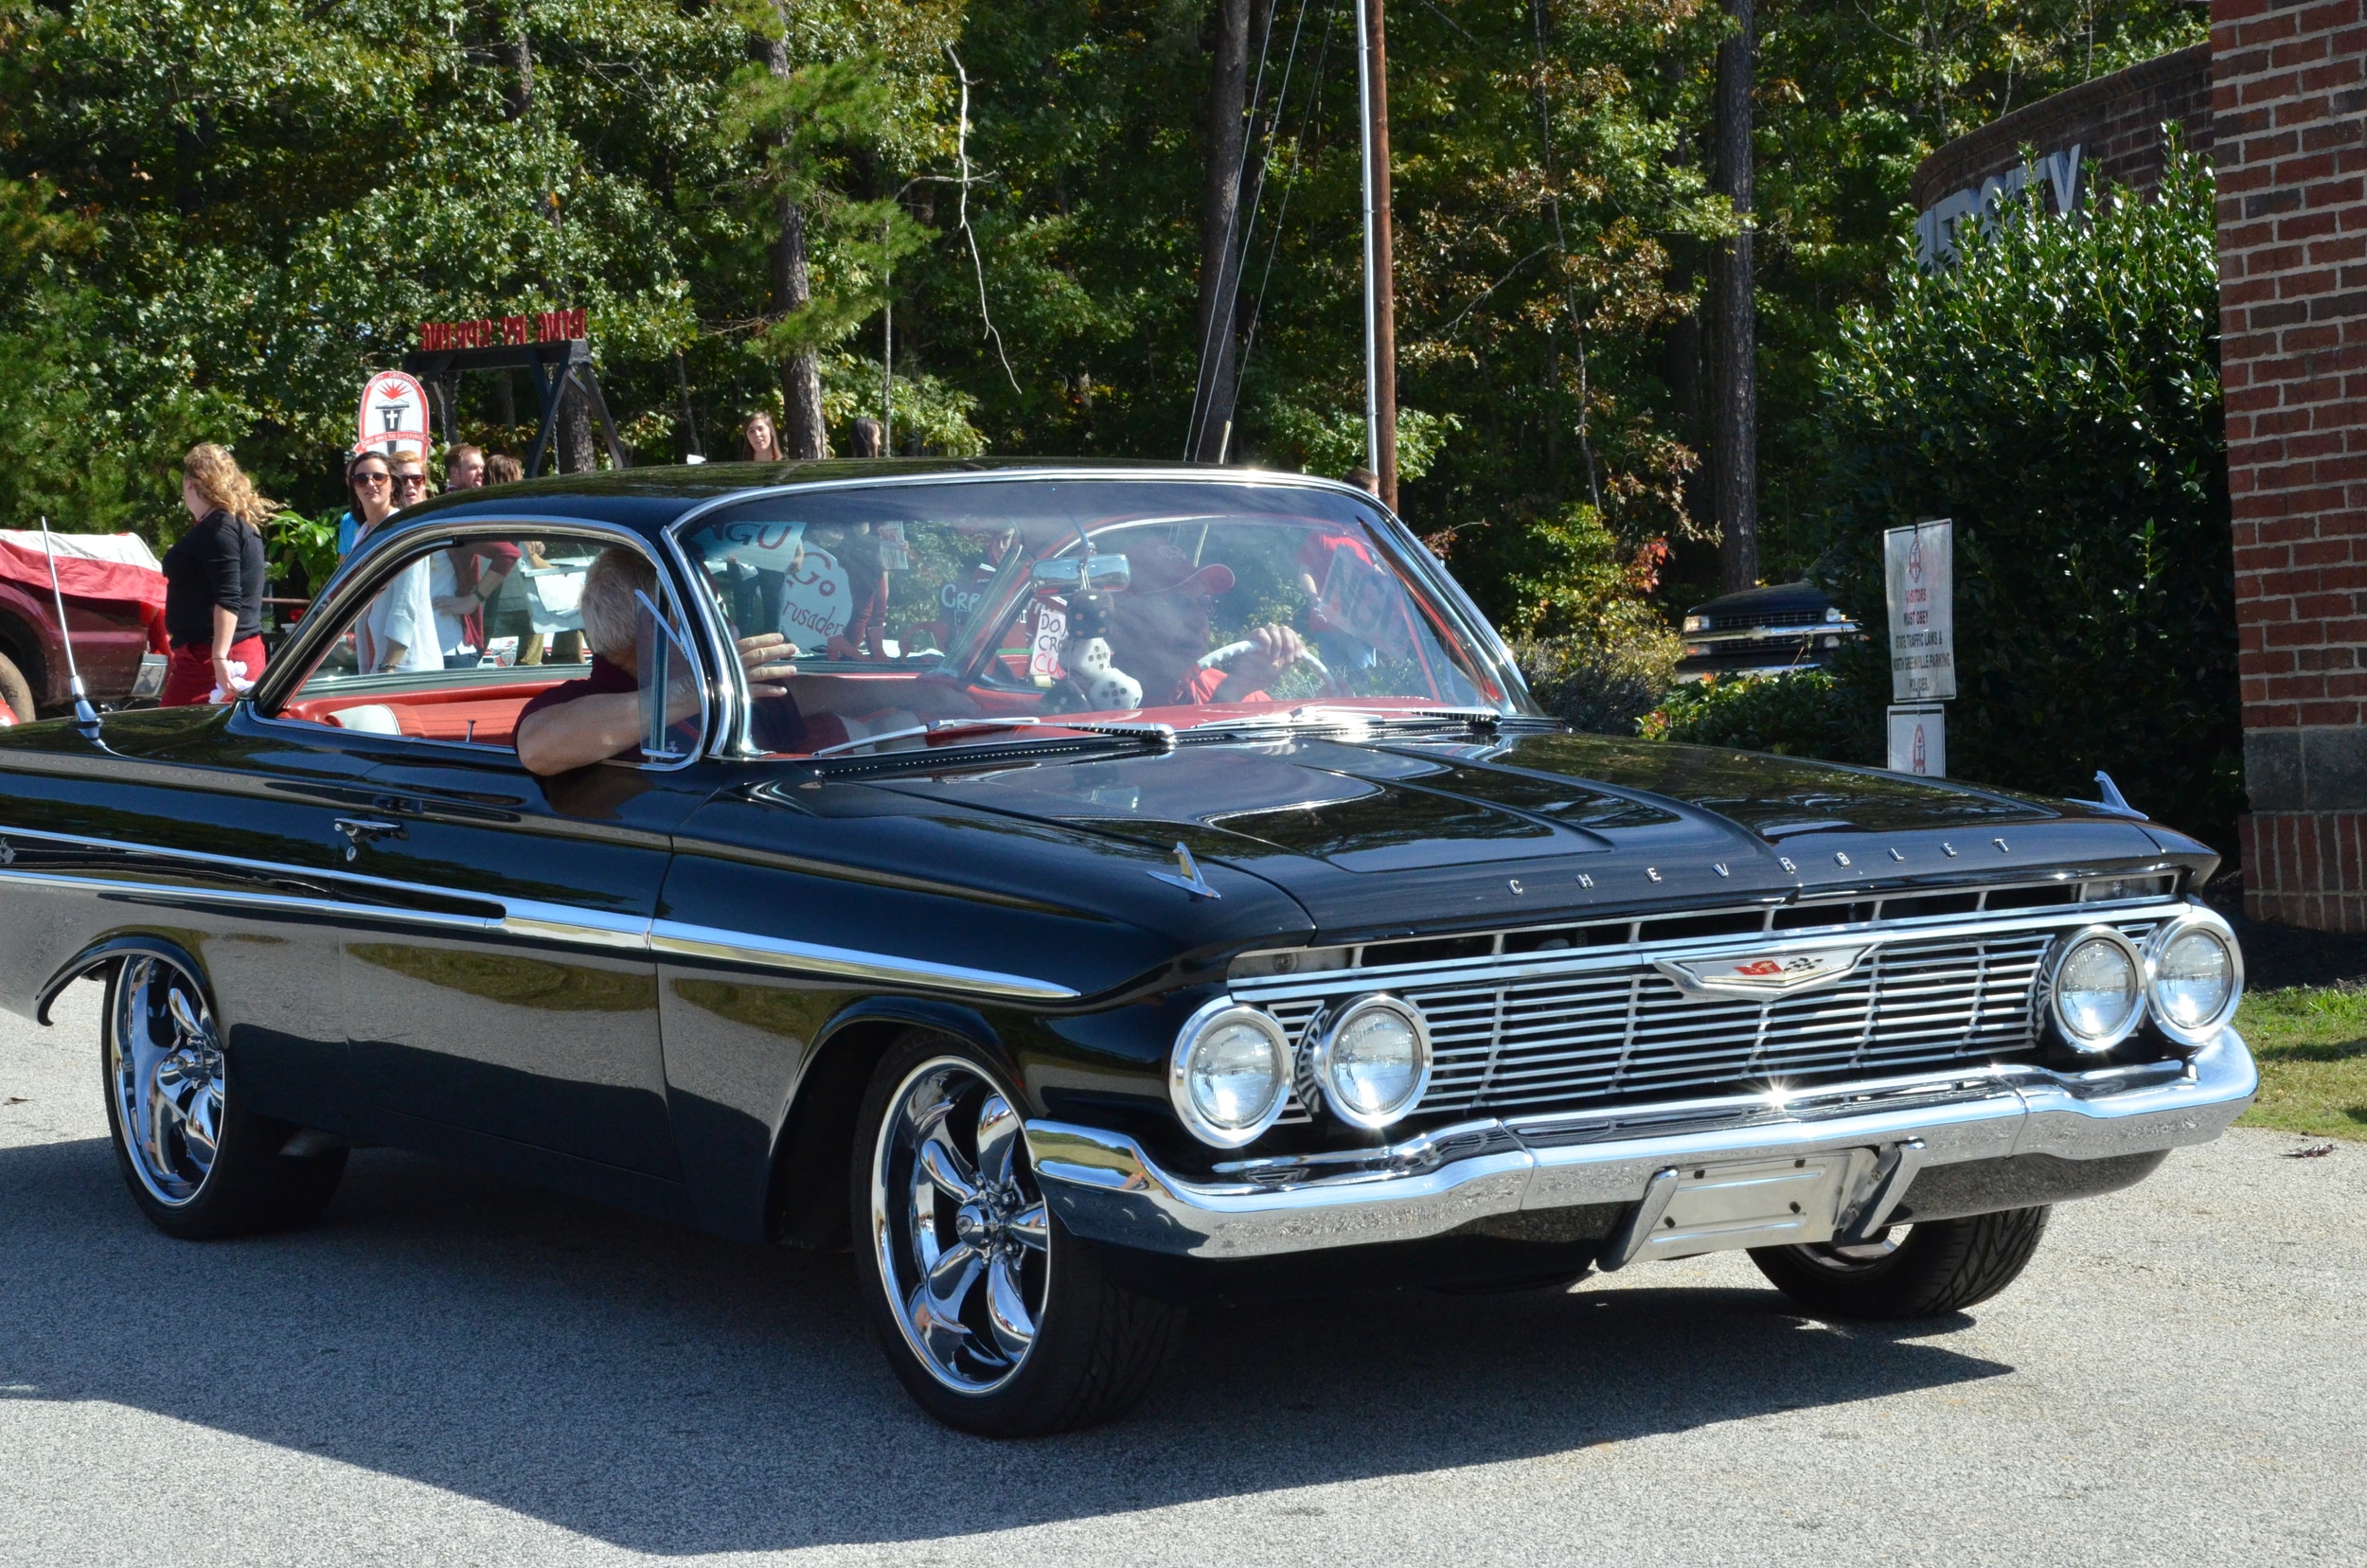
pixel 1760 975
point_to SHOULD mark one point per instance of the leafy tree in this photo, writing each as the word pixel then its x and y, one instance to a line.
pixel 2057 393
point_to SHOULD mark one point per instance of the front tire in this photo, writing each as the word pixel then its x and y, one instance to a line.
pixel 1932 1268
pixel 996 1320
pixel 198 1163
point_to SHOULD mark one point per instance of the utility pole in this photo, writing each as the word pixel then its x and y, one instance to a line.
pixel 1381 324
pixel 1735 350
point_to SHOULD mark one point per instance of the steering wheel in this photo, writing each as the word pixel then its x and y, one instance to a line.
pixel 1333 686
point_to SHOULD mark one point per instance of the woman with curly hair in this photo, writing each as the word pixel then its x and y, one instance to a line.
pixel 214 583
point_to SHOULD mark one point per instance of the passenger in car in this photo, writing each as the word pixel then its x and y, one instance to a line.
pixel 598 717
pixel 1162 623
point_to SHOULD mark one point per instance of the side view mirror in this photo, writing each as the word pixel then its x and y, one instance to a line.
pixel 670 690
pixel 1068 575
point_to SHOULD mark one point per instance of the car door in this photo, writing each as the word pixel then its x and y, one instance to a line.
pixel 539 1030
pixel 526 1036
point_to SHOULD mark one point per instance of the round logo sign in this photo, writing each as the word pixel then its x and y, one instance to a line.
pixel 393 415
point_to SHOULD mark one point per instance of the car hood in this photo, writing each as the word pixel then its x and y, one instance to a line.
pixel 1375 837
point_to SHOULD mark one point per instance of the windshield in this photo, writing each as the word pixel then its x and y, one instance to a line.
pixel 972 607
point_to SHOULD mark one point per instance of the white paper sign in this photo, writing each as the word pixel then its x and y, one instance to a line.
pixel 1919 741
pixel 815 603
pixel 1919 570
pixel 766 547
pixel 393 416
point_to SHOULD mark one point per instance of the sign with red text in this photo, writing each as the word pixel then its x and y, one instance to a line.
pixel 1920 569
pixel 393 416
pixel 502 332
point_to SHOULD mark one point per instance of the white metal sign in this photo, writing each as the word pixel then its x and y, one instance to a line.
pixel 1919 571
pixel 1919 741
pixel 393 415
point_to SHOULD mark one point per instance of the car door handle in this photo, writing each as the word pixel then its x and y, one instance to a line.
pixel 358 829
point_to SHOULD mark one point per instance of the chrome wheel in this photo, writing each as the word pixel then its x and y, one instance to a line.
pixel 963 1244
pixel 1875 1250
pixel 165 1069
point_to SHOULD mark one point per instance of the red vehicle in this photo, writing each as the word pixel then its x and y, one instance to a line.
pixel 115 605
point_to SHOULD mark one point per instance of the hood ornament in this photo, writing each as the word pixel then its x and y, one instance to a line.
pixel 1185 874
pixel 1761 976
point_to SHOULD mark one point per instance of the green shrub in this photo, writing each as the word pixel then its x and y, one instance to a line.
pixel 1806 713
pixel 2057 392
pixel 1606 679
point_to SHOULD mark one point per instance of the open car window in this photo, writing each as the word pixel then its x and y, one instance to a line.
pixel 1171 601
pixel 450 643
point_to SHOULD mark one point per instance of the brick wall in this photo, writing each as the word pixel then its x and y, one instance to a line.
pixel 2115 119
pixel 2289 112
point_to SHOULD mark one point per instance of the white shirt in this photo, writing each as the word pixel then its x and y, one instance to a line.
pixel 404 612
pixel 451 632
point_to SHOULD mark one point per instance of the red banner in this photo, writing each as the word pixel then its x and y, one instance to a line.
pixel 541 326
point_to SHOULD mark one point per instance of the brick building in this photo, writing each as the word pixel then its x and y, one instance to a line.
pixel 2110 128
pixel 2290 114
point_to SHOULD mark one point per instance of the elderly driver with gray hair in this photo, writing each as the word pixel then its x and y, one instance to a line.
pixel 583 722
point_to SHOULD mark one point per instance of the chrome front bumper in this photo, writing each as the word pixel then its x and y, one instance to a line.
pixel 1104 1187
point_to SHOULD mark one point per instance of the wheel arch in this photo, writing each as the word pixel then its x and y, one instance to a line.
pixel 806 1197
pixel 107 954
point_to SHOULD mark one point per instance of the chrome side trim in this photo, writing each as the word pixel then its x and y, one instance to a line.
pixel 1106 1187
pixel 525 917
pixel 674 938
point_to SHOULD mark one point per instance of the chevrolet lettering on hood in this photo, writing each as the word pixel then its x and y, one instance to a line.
pixel 1759 974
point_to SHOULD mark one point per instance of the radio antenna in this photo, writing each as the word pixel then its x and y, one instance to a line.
pixel 86 716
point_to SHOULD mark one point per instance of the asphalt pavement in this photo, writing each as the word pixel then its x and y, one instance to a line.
pixel 457 1369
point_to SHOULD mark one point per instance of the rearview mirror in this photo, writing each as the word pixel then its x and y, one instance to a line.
pixel 670 690
pixel 1067 574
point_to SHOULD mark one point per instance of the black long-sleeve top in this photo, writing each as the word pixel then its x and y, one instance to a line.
pixel 218 562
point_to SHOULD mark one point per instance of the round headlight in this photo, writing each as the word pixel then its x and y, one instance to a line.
pixel 2095 987
pixel 1230 1073
pixel 1373 1061
pixel 2194 976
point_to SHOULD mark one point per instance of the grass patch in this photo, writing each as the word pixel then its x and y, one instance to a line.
pixel 2311 1044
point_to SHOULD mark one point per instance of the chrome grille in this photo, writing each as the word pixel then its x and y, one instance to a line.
pixel 1528 1036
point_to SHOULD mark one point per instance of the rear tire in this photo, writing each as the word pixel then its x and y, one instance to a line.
pixel 16 692
pixel 198 1164
pixel 995 1318
pixel 1936 1268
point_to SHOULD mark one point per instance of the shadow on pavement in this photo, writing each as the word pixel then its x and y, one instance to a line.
pixel 671 1393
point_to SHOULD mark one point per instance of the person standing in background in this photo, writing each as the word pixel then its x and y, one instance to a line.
pixel 502 469
pixel 398 632
pixel 760 440
pixel 214 583
pixel 464 468
pixel 864 440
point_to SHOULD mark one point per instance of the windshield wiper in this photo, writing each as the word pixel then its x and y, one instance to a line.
pixel 935 726
pixel 1161 736
pixel 1308 717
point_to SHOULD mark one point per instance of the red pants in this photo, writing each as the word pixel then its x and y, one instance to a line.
pixel 190 678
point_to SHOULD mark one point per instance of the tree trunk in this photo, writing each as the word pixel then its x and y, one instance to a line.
pixel 802 431
pixel 1734 435
pixel 520 55
pixel 1220 232
pixel 575 453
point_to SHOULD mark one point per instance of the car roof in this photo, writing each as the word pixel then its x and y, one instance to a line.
pixel 646 500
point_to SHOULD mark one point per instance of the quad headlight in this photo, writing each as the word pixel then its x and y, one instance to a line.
pixel 2194 976
pixel 1230 1073
pixel 1372 1060
pixel 2095 987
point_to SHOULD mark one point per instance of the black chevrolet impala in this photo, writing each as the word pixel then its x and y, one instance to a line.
pixel 1148 883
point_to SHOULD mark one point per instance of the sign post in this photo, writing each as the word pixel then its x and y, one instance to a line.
pixel 1919 572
